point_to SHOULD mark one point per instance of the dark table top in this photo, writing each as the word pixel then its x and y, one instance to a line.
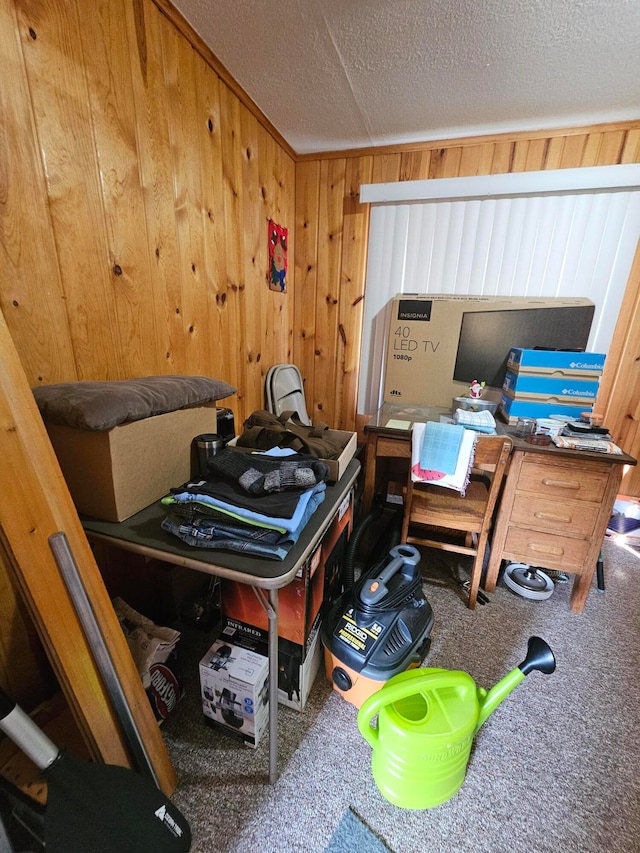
pixel 143 534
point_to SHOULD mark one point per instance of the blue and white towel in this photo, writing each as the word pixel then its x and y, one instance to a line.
pixel 459 480
pixel 440 447
pixel 479 421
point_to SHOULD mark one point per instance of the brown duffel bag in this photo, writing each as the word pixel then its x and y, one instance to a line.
pixel 263 430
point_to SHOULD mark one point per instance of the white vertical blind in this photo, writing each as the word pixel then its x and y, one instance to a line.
pixel 557 244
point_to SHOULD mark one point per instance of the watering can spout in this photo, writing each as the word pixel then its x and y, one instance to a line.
pixel 539 656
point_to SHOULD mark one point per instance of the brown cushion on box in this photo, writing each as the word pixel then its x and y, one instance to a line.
pixel 103 405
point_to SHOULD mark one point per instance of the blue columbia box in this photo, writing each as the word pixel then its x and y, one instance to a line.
pixel 549 361
pixel 562 389
pixel 513 409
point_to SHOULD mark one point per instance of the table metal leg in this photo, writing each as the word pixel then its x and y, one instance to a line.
pixel 271 608
pixel 273 685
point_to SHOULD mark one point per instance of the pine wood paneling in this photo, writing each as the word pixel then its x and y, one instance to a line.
pixel 57 81
pixel 156 176
pixel 306 272
pixel 330 241
pixel 32 294
pixel 105 52
pixel 351 301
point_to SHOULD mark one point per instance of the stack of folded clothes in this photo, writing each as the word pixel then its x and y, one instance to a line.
pixel 257 503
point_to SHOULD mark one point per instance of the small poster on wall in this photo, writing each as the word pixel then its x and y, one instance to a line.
pixel 277 257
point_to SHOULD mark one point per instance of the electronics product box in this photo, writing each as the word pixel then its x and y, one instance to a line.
pixel 298 664
pixel 112 474
pixel 560 363
pixel 301 606
pixel 437 344
pixel 337 467
pixel 539 388
pixel 234 684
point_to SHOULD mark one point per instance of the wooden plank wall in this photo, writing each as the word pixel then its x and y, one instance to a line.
pixel 135 190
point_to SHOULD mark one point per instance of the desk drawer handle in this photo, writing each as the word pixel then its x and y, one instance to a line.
pixel 546 549
pixel 562 484
pixel 552 516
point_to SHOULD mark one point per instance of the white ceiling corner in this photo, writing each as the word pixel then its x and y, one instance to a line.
pixel 340 74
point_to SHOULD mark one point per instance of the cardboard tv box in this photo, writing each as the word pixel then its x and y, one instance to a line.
pixel 301 607
pixel 425 340
pixel 112 474
pixel 234 684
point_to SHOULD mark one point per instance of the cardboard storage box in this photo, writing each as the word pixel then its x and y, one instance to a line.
pixel 511 409
pixel 112 474
pixel 555 363
pixel 298 663
pixel 234 685
pixel 337 467
pixel 438 343
pixel 541 388
pixel 301 606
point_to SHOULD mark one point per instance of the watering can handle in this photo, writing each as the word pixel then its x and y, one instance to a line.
pixel 405 684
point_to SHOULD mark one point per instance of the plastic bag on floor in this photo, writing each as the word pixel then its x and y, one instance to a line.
pixel 153 649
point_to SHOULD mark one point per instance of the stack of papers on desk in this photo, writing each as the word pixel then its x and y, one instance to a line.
pixel 596 445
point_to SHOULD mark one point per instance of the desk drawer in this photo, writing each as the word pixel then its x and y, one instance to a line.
pixel 563 481
pixel 394 447
pixel 546 549
pixel 574 517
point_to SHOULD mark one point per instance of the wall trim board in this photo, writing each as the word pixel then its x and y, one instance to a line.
pixel 508 137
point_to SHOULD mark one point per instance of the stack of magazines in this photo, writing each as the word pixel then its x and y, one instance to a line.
pixel 579 435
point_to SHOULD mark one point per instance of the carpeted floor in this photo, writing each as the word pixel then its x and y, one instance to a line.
pixel 555 768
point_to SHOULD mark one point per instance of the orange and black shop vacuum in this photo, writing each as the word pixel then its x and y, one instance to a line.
pixel 378 627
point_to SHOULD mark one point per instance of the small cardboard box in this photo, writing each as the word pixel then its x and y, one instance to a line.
pixel 539 388
pixel 337 467
pixel 234 684
pixel 560 363
pixel 301 606
pixel 112 474
pixel 298 663
pixel 430 333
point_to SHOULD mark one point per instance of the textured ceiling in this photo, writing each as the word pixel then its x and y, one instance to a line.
pixel 336 74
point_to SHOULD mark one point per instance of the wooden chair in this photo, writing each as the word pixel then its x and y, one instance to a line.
pixel 472 515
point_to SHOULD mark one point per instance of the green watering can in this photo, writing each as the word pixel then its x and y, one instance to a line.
pixel 427 719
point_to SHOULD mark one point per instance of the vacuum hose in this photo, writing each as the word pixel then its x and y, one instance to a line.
pixel 349 559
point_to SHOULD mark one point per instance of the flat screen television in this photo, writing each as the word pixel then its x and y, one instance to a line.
pixel 486 337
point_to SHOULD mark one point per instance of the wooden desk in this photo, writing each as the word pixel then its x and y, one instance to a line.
pixel 142 534
pixel 555 505
pixel 386 440
pixel 554 512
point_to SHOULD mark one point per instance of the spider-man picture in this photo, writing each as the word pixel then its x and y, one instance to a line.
pixel 277 257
